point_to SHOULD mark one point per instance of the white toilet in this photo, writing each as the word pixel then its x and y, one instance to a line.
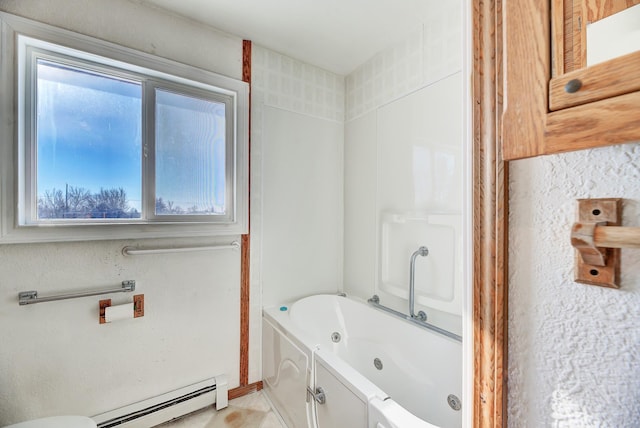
pixel 57 422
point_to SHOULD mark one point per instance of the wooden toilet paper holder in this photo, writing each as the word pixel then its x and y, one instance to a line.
pixel 138 308
pixel 598 237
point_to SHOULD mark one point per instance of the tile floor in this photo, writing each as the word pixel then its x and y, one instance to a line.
pixel 249 411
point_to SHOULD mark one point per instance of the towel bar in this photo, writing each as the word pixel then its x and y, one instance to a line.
pixel 616 236
pixel 31 297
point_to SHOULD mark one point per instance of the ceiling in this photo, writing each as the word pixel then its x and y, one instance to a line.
pixel 337 35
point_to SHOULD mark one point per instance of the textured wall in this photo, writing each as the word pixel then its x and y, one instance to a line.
pixel 54 357
pixel 140 27
pixel 574 350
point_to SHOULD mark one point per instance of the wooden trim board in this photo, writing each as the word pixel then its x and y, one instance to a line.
pixel 245 244
pixel 244 390
pixel 490 175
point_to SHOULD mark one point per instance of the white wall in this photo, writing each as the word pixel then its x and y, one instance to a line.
pixel 404 155
pixel 297 160
pixel 574 349
pixel 302 245
pixel 297 136
pixel 54 357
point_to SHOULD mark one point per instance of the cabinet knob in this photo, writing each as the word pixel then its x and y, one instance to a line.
pixel 573 86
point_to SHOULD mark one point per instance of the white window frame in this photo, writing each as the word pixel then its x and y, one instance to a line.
pixel 17 37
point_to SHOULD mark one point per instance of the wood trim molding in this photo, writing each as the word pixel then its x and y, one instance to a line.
pixel 489 221
pixel 246 61
pixel 244 310
pixel 527 69
pixel 245 246
pixel 244 390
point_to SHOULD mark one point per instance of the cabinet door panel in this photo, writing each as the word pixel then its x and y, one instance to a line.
pixel 605 80
pixel 606 112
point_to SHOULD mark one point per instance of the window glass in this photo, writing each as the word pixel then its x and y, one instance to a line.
pixel 189 155
pixel 88 146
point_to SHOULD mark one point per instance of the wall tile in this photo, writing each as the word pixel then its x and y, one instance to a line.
pixel 429 53
pixel 292 85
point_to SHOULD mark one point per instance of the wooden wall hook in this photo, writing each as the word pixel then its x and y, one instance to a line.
pixel 582 238
pixel 595 263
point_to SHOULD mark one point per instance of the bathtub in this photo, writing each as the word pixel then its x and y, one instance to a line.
pixel 331 362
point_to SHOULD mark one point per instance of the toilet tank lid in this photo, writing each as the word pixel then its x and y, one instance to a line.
pixel 57 422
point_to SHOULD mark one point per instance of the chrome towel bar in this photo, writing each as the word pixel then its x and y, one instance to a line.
pixel 132 251
pixel 31 297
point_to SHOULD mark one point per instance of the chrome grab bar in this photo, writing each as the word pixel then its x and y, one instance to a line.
pixel 31 297
pixel 422 251
pixel 133 251
pixel 375 302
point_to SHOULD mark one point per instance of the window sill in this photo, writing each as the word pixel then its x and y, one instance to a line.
pixel 101 232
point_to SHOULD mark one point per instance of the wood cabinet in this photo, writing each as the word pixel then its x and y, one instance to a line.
pixel 553 102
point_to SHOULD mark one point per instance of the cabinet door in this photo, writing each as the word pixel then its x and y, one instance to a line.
pixel 545 113
pixel 595 50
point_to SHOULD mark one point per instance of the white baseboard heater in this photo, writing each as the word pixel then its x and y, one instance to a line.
pixel 166 407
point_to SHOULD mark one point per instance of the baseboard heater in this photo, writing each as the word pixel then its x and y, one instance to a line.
pixel 166 407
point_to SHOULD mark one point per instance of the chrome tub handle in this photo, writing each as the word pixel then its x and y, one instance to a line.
pixel 317 395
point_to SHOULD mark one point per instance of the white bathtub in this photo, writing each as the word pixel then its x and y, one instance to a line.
pixel 383 372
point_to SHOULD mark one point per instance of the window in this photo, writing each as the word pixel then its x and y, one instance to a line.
pixel 109 139
pixel 85 144
pixel 89 147
pixel 190 154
